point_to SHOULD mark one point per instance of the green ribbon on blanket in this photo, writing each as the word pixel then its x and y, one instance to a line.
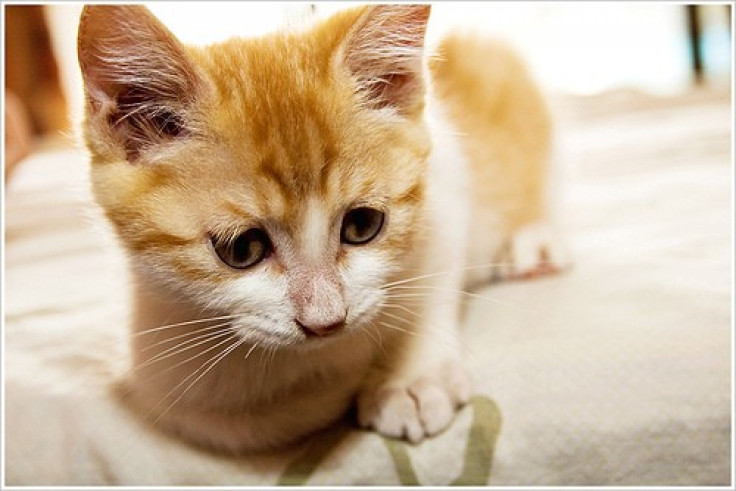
pixel 484 431
pixel 402 461
pixel 299 471
pixel 477 462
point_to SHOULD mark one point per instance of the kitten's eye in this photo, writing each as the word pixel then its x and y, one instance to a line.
pixel 361 225
pixel 248 249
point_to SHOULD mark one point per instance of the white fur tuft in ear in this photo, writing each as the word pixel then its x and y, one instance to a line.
pixel 384 52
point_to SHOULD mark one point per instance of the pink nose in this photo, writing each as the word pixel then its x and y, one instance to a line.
pixel 321 329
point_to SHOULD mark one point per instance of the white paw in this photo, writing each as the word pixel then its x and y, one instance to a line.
pixel 535 250
pixel 415 410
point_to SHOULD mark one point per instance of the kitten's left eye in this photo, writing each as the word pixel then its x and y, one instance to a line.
pixel 361 225
pixel 248 249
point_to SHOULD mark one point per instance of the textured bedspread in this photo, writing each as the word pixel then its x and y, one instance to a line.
pixel 618 372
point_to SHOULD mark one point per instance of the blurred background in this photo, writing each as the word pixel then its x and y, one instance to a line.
pixel 580 48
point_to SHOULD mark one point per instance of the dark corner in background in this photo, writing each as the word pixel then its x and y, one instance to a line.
pixel 695 38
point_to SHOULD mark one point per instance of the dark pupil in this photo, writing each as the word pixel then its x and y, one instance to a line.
pixel 246 250
pixel 361 225
pixel 247 247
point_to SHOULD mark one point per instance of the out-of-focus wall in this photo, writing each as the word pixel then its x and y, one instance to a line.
pixel 590 47
pixel 31 70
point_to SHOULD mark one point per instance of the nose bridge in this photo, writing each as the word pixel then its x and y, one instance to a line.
pixel 315 286
pixel 317 296
pixel 314 231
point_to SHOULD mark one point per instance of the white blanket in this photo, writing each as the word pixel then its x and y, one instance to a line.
pixel 618 372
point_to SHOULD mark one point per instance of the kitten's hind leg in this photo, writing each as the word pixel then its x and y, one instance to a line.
pixel 535 249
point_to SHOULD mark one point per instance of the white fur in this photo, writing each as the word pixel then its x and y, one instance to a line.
pixel 362 278
pixel 254 294
pixel 418 395
pixel 315 229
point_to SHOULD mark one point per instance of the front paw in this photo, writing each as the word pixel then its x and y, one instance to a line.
pixel 419 408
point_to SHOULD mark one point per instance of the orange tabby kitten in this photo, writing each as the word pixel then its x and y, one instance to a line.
pixel 293 206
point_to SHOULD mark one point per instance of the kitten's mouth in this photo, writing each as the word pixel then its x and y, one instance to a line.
pixel 320 331
pixel 297 338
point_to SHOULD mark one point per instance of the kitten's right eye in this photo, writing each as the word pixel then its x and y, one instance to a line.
pixel 248 249
pixel 361 225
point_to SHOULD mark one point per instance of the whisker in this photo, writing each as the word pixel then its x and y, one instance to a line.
pixel 406 321
pixel 197 355
pixel 212 362
pixel 182 382
pixel 430 289
pixel 164 355
pixel 186 323
pixel 440 273
pixel 365 331
pixel 251 349
pixel 262 359
pixel 410 295
pixel 399 306
pixel 196 332
pixel 444 346
pixel 272 357
pixel 396 328
pixel 455 335
pixel 267 357
pixel 380 337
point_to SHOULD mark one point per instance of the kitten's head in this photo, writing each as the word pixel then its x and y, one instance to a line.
pixel 277 179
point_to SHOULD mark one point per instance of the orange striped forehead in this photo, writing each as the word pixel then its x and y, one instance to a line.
pixel 288 129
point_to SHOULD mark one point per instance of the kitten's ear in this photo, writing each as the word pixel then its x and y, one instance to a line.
pixel 384 52
pixel 137 77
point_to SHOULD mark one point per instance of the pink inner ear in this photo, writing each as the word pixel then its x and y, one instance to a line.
pixel 391 90
pixel 131 63
pixel 140 120
pixel 385 55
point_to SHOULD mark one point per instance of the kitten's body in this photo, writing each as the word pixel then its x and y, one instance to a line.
pixel 273 134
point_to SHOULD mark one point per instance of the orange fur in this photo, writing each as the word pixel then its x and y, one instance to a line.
pixel 504 121
pixel 191 143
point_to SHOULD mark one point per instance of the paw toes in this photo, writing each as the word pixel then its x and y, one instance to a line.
pixel 416 409
pixel 394 414
pixel 414 431
pixel 435 407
